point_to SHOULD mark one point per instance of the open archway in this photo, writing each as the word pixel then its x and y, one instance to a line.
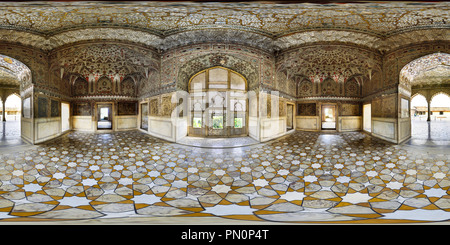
pixel 429 80
pixel 13 108
pixel 419 108
pixel 14 77
pixel 218 103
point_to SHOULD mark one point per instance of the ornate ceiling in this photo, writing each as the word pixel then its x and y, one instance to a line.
pixel 434 76
pixel 427 70
pixel 272 26
pixel 12 71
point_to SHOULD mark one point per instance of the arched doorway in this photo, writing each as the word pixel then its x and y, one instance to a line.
pixel 10 120
pixel 428 78
pixel 419 108
pixel 14 77
pixel 440 107
pixel 219 105
pixel 11 111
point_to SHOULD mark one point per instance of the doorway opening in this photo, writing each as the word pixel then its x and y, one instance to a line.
pixel 65 116
pixel 10 119
pixel 329 117
pixel 11 109
pixel 144 116
pixel 219 104
pixel 290 117
pixel 104 120
pixel 430 121
pixel 367 117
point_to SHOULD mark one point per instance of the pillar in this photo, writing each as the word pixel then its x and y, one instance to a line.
pixel 429 111
pixel 4 110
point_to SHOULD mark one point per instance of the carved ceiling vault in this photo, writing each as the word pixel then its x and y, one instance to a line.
pixel 430 69
pixel 13 72
pixel 272 26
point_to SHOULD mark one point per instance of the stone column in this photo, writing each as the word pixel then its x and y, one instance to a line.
pixel 4 110
pixel 429 111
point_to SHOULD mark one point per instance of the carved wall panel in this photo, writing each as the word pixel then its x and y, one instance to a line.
pixel 329 87
pixel 305 88
pixel 282 108
pixel 351 88
pixel 54 108
pixel 154 105
pixel 323 63
pixel 180 64
pixel 306 109
pixel 127 87
pixel 99 62
pixel 385 106
pixel 42 107
pixel 127 108
pixel 104 85
pixel 81 109
pixel 166 106
pixel 80 87
pixel 347 109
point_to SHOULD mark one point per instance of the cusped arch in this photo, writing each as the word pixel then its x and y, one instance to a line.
pixel 196 65
pixel 352 87
pixel 104 85
pixel 305 87
pixel 417 94
pixel 238 83
pixel 438 93
pixel 80 87
pixel 328 86
pixel 128 86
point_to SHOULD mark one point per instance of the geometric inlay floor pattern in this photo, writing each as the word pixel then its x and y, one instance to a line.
pixel 302 177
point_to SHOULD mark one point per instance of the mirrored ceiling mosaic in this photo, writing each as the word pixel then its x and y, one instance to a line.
pixel 160 20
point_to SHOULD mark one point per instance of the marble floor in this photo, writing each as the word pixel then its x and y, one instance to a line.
pixel 232 142
pixel 304 177
pixel 433 133
pixel 10 134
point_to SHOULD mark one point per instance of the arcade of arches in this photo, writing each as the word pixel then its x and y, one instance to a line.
pixel 320 94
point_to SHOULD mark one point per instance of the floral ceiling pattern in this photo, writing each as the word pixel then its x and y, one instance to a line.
pixel 431 69
pixel 272 25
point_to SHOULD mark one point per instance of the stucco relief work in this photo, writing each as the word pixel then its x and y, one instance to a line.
pixel 330 70
pixel 394 62
pixel 179 65
pixel 105 69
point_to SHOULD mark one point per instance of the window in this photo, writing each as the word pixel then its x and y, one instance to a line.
pixel 197 123
pixel 218 95
pixel 441 113
pixel 217 122
pixel 104 113
pixel 238 123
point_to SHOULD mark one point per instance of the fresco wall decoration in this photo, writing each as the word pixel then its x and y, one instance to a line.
pixel 42 107
pixel 127 108
pixel 54 108
pixel 81 109
pixel 330 69
pixel 347 109
pixel 385 106
pixel 306 109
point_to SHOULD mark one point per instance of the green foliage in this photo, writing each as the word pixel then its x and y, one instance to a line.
pixel 238 123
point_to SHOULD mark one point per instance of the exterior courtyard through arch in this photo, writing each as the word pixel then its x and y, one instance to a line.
pixel 212 112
